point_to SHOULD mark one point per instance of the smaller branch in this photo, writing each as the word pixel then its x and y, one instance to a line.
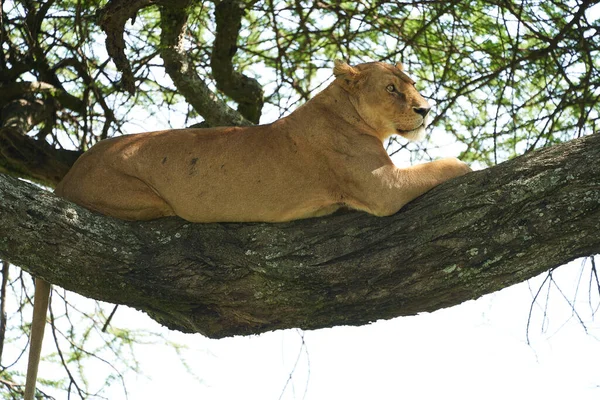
pixel 34 19
pixel 73 381
pixel 3 317
pixel 247 92
pixel 112 19
pixel 593 279
pixel 34 42
pixel 184 76
pixel 24 114
pixel 107 323
pixel 90 84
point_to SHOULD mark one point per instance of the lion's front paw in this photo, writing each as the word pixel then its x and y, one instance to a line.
pixel 452 167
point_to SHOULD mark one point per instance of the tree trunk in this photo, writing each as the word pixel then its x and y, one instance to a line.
pixel 468 237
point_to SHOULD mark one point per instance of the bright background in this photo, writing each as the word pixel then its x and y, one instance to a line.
pixel 476 350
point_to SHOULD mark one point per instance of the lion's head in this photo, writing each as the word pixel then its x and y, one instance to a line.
pixel 385 98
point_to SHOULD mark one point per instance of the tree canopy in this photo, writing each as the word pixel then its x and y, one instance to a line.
pixel 506 77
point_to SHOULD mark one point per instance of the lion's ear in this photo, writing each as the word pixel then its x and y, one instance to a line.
pixel 347 74
pixel 399 66
pixel 341 68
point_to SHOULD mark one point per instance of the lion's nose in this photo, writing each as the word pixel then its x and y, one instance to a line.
pixel 422 111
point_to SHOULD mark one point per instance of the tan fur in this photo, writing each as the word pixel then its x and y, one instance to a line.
pixel 325 155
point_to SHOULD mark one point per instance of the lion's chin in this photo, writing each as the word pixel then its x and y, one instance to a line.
pixel 415 135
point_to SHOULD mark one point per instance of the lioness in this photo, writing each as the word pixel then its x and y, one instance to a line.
pixel 327 154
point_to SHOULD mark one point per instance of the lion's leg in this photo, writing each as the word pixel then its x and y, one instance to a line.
pixel 137 202
pixel 118 195
pixel 387 189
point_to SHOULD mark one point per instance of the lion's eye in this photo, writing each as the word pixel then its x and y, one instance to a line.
pixel 391 88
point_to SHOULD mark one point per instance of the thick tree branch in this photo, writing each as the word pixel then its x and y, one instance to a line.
pixel 468 237
pixel 247 92
pixel 24 156
pixel 184 76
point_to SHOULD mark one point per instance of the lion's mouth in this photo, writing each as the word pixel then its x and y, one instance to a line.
pixel 405 131
pixel 414 134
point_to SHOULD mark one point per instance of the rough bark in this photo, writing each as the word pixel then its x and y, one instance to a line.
pixel 468 237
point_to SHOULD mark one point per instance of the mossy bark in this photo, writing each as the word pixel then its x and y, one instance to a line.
pixel 468 237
